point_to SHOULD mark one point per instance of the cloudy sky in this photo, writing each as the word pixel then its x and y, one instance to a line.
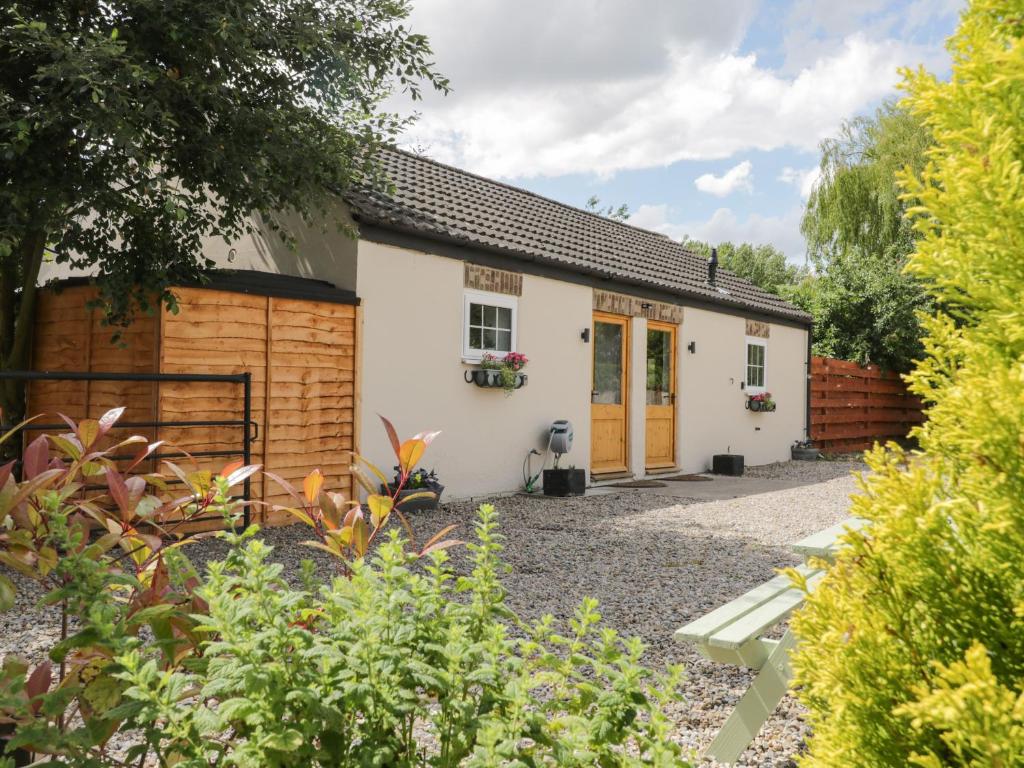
pixel 703 117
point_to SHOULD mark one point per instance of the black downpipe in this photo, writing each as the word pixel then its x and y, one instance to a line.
pixel 807 416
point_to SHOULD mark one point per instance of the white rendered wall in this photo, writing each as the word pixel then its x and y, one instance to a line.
pixel 412 371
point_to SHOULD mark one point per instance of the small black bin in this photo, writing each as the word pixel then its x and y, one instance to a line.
pixel 727 464
pixel 564 482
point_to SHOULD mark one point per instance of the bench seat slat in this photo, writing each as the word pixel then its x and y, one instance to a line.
pixel 825 543
pixel 763 617
pixel 700 630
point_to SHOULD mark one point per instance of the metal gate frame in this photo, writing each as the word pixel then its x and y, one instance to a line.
pixel 248 433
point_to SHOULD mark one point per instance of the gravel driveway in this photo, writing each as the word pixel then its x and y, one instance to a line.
pixel 655 559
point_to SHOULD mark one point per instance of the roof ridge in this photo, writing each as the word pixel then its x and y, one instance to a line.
pixel 539 196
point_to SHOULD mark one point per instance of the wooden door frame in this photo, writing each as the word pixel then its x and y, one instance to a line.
pixel 673 329
pixel 626 321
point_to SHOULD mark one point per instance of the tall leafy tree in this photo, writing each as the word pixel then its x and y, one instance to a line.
pixel 913 644
pixel 132 129
pixel 858 238
pixel 763 265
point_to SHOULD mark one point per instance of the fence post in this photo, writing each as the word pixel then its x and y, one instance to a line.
pixel 247 441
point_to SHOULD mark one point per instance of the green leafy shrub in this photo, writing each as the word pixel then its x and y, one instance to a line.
pixel 102 541
pixel 397 662
pixel 914 643
pixel 394 666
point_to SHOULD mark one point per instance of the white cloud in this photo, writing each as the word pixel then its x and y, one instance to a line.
pixel 701 106
pixel 803 179
pixel 783 232
pixel 739 177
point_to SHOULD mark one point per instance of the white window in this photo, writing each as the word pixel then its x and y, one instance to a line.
pixel 756 381
pixel 489 325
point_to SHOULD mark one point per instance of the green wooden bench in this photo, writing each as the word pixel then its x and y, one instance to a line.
pixel 733 634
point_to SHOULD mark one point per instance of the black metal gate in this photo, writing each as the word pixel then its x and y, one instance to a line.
pixel 249 428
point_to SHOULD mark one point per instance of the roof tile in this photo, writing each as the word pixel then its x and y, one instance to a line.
pixel 440 201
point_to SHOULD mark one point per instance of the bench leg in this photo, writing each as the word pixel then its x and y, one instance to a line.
pixel 757 704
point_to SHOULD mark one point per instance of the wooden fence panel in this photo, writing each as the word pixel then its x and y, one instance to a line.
pixel 71 337
pixel 854 406
pixel 301 354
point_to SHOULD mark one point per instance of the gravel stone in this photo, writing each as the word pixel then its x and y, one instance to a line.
pixel 654 560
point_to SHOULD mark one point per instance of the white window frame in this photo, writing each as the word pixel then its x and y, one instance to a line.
pixel 763 343
pixel 492 300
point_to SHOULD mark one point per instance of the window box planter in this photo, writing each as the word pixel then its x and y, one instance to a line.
pixel 760 403
pixel 565 482
pixel 492 379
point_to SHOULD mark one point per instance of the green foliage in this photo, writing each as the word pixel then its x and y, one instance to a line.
pixel 858 237
pixel 396 666
pixel 865 309
pixel 132 131
pixel 126 580
pixel 608 211
pixel 398 662
pixel 763 265
pixel 914 649
pixel 857 204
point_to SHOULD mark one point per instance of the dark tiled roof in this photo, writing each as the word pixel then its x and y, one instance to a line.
pixel 439 201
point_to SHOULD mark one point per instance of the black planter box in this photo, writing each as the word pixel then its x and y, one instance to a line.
pixel 727 464
pixel 564 482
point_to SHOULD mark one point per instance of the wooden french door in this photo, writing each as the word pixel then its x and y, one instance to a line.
pixel 609 397
pixel 661 395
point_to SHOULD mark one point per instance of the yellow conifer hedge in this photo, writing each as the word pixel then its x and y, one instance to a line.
pixel 913 647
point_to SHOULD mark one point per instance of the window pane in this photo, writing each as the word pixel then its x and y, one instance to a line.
pixel 505 318
pixel 490 340
pixel 490 316
pixel 474 338
pixel 659 367
pixel 607 364
pixel 504 341
pixel 476 314
pixel 750 354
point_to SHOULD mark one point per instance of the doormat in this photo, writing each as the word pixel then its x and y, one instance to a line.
pixel 638 484
pixel 688 478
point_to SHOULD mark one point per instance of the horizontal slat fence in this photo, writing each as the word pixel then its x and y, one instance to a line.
pixel 854 406
pixel 300 354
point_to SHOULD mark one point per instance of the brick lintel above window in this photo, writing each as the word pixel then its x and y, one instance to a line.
pixel 493 280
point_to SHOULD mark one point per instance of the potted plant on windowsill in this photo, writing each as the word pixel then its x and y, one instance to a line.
pixel 419 484
pixel 761 402
pixel 505 372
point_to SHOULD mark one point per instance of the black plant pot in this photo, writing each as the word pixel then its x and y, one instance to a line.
pixel 565 482
pixel 423 504
pixel 20 756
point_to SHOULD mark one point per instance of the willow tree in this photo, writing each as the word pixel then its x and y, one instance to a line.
pixel 913 649
pixel 858 239
pixel 130 130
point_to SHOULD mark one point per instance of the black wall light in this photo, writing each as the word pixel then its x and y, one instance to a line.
pixel 585 335
pixel 692 346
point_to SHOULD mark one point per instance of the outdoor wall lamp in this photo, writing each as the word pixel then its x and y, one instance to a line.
pixel 692 346
pixel 585 335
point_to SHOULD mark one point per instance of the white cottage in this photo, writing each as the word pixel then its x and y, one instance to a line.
pixel 628 336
